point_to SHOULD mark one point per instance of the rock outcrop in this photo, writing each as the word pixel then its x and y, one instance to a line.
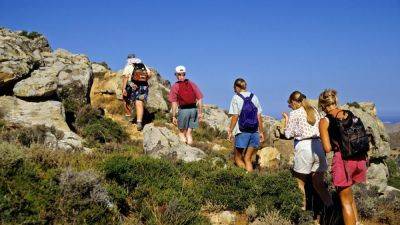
pixel 158 91
pixel 59 71
pixel 49 113
pixel 162 142
pixel 215 117
pixel 20 53
pixel 269 157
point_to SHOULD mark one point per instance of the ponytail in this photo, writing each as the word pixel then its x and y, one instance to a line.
pixel 311 118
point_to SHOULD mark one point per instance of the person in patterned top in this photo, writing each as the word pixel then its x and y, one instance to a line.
pixel 309 156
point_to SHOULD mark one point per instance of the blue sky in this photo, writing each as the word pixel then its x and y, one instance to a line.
pixel 277 46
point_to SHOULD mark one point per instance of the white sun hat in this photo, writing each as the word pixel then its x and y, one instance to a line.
pixel 180 69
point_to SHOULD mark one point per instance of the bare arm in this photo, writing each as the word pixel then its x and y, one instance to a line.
pixel 200 107
pixel 232 125
pixel 174 110
pixel 124 81
pixel 323 130
pixel 260 123
pixel 260 127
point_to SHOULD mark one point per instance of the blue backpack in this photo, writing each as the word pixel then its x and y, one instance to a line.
pixel 248 121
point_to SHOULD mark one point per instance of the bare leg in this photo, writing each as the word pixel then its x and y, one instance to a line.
pixel 301 180
pixel 127 108
pixel 239 159
pixel 247 159
pixel 354 206
pixel 189 137
pixel 182 135
pixel 346 199
pixel 139 110
pixel 318 183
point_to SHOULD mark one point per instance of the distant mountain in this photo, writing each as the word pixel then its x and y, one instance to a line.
pixel 392 128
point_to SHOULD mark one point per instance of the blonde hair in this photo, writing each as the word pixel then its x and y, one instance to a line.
pixel 302 99
pixel 240 83
pixel 327 98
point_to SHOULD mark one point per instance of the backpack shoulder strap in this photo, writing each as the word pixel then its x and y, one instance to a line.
pixel 251 96
pixel 241 96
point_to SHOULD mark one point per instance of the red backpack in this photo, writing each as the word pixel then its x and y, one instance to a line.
pixel 186 94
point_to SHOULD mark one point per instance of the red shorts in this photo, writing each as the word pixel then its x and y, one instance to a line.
pixel 348 172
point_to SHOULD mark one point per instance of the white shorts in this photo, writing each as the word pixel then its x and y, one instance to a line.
pixel 309 156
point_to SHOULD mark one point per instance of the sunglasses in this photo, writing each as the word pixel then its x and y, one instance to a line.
pixel 180 74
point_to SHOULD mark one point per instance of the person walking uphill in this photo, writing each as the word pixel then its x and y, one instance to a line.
pixel 246 124
pixel 343 132
pixel 186 96
pixel 309 157
pixel 135 87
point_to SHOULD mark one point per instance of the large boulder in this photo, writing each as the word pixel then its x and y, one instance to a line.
pixel 158 91
pixel 49 113
pixel 377 176
pixel 380 146
pixel 60 71
pixel 215 117
pixel 269 157
pixel 162 142
pixel 20 52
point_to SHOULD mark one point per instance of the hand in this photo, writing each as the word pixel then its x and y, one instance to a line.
pixel 262 139
pixel 124 93
pixel 134 86
pixel 174 121
pixel 200 117
pixel 230 136
pixel 285 116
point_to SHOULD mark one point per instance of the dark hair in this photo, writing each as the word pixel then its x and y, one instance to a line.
pixel 240 83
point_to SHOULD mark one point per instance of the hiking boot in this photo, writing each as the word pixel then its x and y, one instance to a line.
pixel 139 126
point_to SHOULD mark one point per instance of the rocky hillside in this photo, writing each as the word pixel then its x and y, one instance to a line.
pixel 64 130
pixel 394 134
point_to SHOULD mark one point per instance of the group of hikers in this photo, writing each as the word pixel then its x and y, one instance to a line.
pixel 315 133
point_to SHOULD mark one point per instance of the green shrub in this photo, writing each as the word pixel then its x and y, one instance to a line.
pixel 156 185
pixel 25 136
pixel 143 171
pixel 354 104
pixel 394 173
pixel 31 35
pixel 84 200
pixel 96 129
pixel 35 191
pixel 27 194
pixel 207 133
pixel 366 200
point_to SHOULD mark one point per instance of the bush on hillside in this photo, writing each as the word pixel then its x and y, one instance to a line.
pixel 95 128
pixel 380 209
pixel 31 35
pixel 33 192
pixel 394 173
pixel 207 133
pixel 27 193
pixel 154 184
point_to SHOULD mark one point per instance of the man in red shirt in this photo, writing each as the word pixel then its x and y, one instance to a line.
pixel 186 96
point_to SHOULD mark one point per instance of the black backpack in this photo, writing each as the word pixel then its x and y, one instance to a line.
pixel 350 135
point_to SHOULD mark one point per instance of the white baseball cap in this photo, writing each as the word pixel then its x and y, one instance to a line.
pixel 180 69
